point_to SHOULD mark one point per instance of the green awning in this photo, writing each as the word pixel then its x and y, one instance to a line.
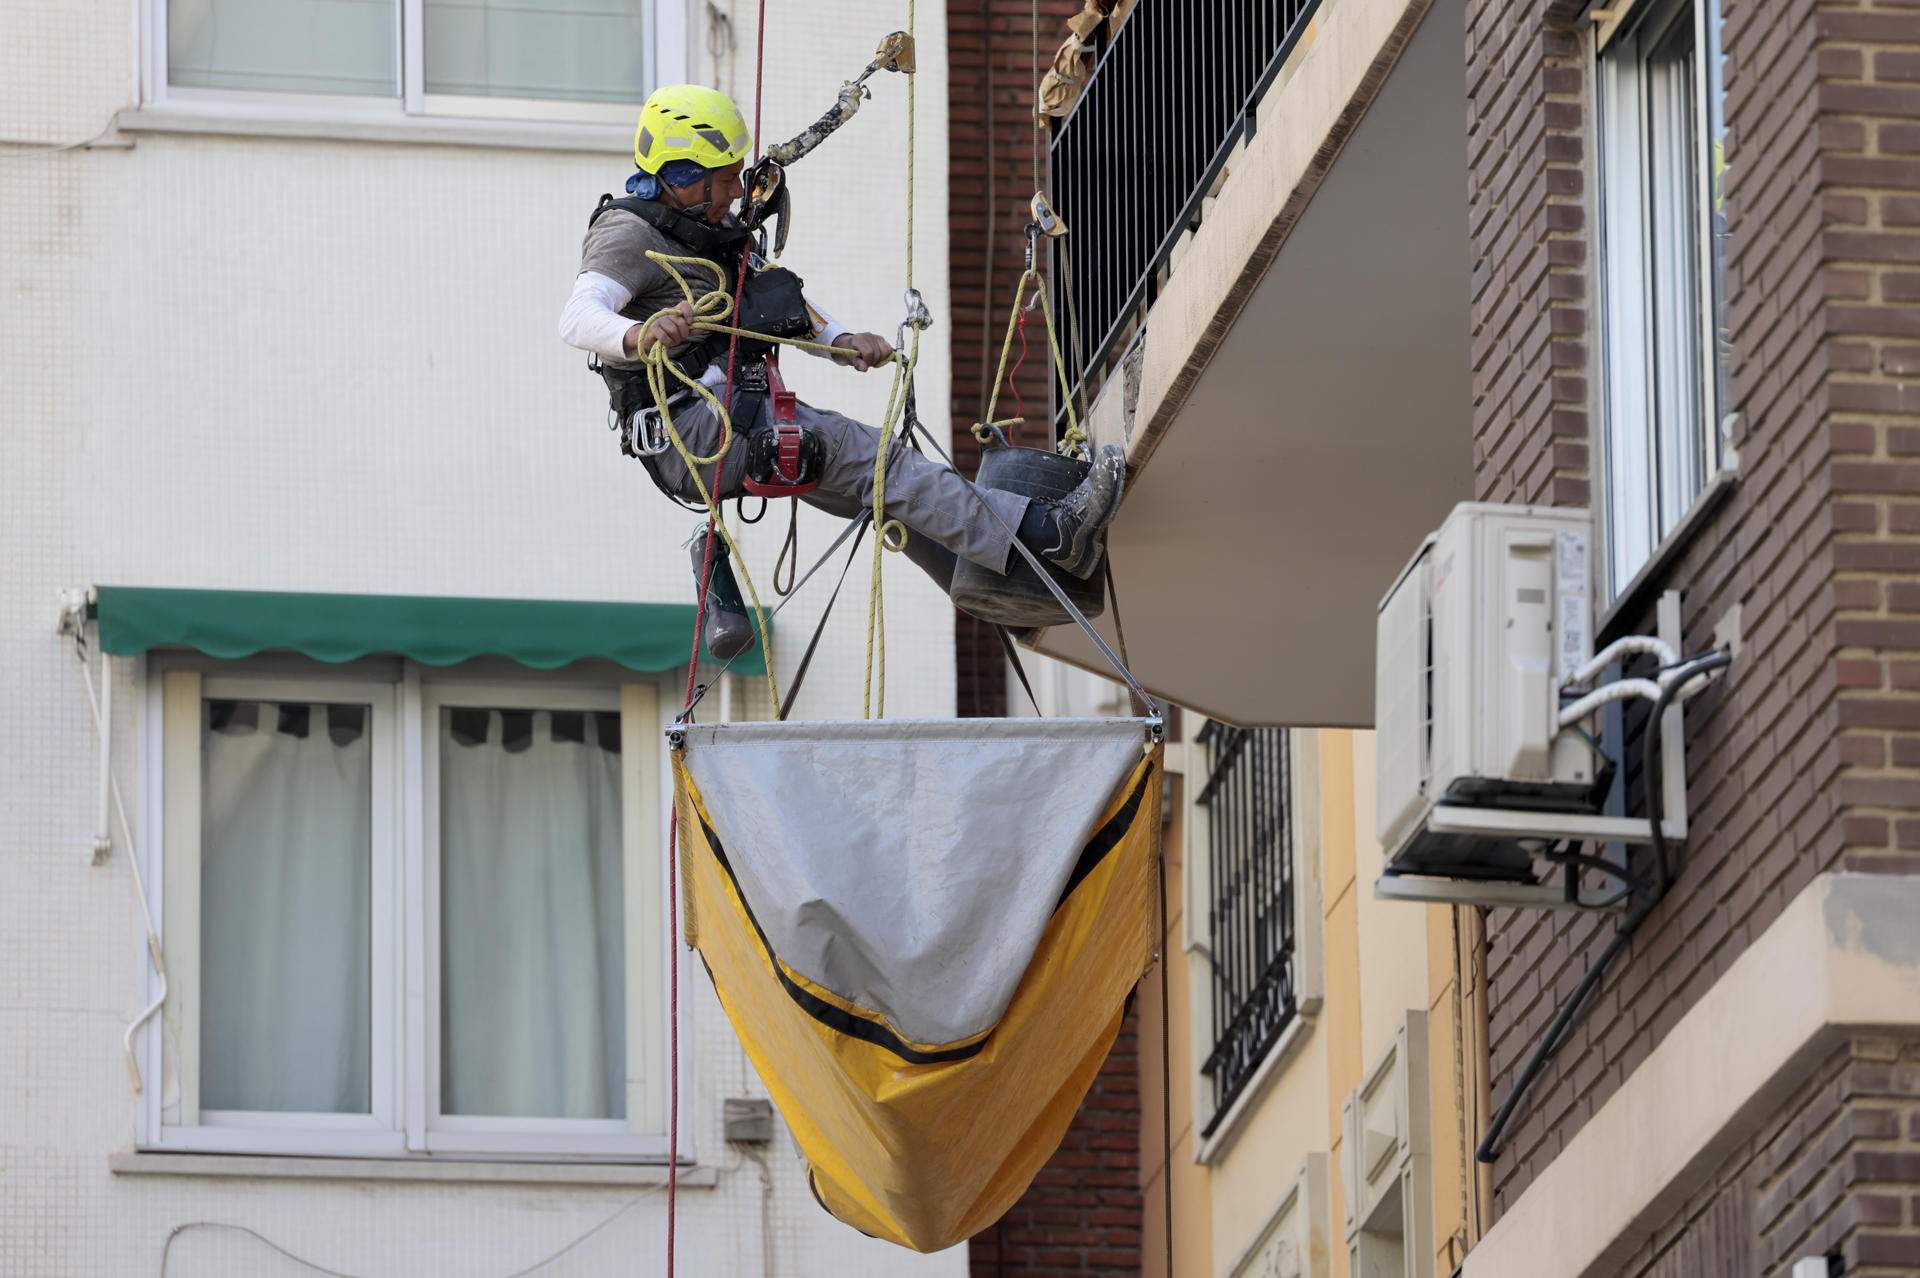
pixel 433 630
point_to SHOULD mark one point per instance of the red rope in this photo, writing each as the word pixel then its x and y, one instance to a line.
pixel 693 668
pixel 1013 378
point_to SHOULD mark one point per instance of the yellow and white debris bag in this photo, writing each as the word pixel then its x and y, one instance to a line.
pixel 925 934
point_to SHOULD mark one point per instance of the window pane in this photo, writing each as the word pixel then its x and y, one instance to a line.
pixel 533 981
pixel 287 46
pixel 1662 276
pixel 1627 375
pixel 1673 164
pixel 1715 65
pixel 574 50
pixel 285 872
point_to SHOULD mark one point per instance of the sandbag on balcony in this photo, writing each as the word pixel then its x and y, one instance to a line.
pixel 924 934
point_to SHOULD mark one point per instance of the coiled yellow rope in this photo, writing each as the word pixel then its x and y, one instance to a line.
pixel 711 310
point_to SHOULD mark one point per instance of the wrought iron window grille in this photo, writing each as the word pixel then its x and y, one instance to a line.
pixel 1250 915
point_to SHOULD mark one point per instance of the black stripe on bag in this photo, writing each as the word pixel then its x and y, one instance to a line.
pixel 834 1018
pixel 1106 838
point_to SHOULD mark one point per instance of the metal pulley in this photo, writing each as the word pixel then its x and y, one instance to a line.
pixel 917 317
pixel 1045 218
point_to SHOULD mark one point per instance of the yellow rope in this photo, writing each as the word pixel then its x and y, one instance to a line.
pixel 1075 437
pixel 891 534
pixel 711 309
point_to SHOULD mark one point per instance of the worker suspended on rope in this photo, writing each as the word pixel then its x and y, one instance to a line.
pixel 689 147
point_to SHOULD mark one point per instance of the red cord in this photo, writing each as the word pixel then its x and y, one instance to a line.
pixel 693 669
pixel 1013 378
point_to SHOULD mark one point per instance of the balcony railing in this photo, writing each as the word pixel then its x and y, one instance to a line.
pixel 1145 144
pixel 1250 917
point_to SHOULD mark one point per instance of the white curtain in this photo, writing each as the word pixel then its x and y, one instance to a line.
pixel 286 858
pixel 285 46
pixel 572 50
pixel 533 989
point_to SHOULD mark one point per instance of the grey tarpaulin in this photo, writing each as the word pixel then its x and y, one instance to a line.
pixel 909 866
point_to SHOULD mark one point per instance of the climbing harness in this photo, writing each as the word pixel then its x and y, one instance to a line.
pixel 783 458
pixel 638 423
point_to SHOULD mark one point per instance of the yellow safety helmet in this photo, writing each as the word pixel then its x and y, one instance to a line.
pixel 689 122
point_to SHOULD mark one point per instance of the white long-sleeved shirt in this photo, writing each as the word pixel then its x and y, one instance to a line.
pixel 591 321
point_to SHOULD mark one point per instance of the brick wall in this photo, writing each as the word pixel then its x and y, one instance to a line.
pixel 1808 756
pixel 1834 1174
pixel 1876 1224
pixel 1527 222
pixel 1083 1214
pixel 1869 97
pixel 990 48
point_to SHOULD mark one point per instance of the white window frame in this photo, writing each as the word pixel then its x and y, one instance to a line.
pixel 1641 500
pixel 404 1120
pixel 667 64
pixel 439 1132
pixel 181 693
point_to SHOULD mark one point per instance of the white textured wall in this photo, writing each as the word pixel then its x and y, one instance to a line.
pixel 330 365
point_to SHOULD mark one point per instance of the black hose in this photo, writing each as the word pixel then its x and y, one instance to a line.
pixel 1599 865
pixel 1550 1042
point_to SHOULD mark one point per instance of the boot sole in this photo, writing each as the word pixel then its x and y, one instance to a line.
pixel 1089 540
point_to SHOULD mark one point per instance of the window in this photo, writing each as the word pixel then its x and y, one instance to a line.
pixel 407 914
pixel 1246 799
pixel 547 59
pixel 1663 279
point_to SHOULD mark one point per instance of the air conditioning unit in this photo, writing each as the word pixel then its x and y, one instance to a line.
pixel 1475 640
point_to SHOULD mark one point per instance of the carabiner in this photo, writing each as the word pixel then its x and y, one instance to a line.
pixel 652 438
pixel 917 317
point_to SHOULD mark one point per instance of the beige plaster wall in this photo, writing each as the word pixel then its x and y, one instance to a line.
pixel 1192 1223
pixel 1253 1177
pixel 1393 935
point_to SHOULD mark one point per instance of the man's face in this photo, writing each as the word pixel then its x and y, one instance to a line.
pixel 727 190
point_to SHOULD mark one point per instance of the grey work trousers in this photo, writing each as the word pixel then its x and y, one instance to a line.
pixel 942 511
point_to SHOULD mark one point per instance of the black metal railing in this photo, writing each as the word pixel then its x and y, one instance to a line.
pixel 1174 90
pixel 1250 917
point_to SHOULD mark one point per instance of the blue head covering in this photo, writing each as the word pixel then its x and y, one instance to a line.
pixel 678 173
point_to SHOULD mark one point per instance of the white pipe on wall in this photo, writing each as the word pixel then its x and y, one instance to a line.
pixel 101 705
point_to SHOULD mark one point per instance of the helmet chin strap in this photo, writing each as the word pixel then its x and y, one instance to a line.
pixel 706 200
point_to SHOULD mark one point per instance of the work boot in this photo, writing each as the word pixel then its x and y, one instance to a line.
pixel 1071 532
pixel 729 627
